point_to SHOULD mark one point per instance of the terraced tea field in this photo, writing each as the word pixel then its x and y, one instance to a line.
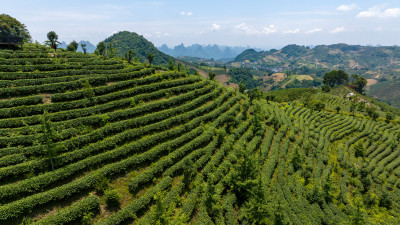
pixel 176 149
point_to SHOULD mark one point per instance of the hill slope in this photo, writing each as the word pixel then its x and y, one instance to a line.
pixel 124 40
pixel 85 139
pixel 378 64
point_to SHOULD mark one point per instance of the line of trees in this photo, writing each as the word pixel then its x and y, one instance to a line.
pixel 339 77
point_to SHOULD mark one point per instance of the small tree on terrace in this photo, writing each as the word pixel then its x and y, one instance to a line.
pixel 242 87
pixel 48 137
pixel 101 49
pixel 84 49
pixel 130 55
pixel 211 75
pixel 150 57
pixel 73 46
pixel 52 40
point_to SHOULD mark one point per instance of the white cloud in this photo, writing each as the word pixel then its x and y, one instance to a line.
pixel 160 34
pixel 314 30
pixel 294 31
pixel 347 7
pixel 215 27
pixel 250 30
pixel 337 30
pixel 380 12
pixel 270 29
pixel 186 13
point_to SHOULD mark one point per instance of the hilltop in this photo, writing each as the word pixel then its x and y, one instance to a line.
pixel 125 40
pixel 102 141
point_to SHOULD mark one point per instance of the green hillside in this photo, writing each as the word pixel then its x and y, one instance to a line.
pixel 381 65
pixel 88 140
pixel 125 40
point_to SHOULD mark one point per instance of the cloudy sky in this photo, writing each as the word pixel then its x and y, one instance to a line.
pixel 264 24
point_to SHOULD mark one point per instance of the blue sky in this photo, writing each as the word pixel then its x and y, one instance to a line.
pixel 263 24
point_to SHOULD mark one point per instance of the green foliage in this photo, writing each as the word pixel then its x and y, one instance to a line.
pixel 254 93
pixel 242 87
pixel 338 109
pixel 357 218
pixel 326 88
pixel 336 77
pixel 296 160
pixel 385 200
pixel 112 198
pixel 52 40
pixel 288 95
pixel 171 65
pixel 10 26
pixel 211 75
pixel 359 149
pixel 150 58
pixel 101 48
pixel 73 46
pixel 49 134
pixel 101 185
pixel 84 49
pixel 243 75
pixel 124 40
pixel 358 83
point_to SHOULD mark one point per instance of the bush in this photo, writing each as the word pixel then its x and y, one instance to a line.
pixel 326 88
pixel 112 197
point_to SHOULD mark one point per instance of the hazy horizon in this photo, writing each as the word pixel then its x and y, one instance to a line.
pixel 256 24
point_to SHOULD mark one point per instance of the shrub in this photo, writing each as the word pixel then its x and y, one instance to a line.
pixel 112 197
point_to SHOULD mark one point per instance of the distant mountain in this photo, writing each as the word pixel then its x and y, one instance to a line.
pixel 90 48
pixel 63 45
pixel 203 51
pixel 125 40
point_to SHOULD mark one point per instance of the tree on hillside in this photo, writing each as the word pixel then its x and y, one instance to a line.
pixel 84 49
pixel 111 51
pixel 150 57
pixel 171 65
pixel 48 137
pixel 336 77
pixel 73 46
pixel 131 53
pixel 10 26
pixel 52 40
pixel 358 83
pixel 211 75
pixel 101 49
pixel 242 87
pixel 254 93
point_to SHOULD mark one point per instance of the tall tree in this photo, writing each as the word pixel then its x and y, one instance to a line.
pixel 84 49
pixel 111 51
pixel 150 57
pixel 101 49
pixel 131 53
pixel 358 83
pixel 52 40
pixel 48 137
pixel 336 77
